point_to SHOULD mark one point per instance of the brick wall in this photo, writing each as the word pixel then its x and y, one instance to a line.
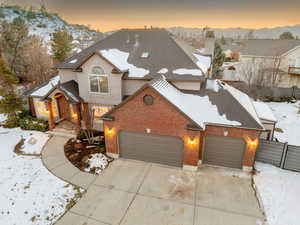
pixel 164 119
pixel 161 117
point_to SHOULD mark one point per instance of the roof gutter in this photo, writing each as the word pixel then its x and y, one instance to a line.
pixel 232 126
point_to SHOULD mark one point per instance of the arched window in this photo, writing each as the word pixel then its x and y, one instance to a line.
pixel 98 80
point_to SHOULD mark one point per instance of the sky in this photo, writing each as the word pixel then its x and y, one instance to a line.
pixel 107 15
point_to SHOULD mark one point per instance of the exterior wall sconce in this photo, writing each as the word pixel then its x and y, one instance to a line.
pixel 252 143
pixel 75 116
pixel 109 131
pixel 192 141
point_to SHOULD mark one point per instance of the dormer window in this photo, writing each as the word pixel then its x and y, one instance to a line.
pixel 98 80
pixel 145 55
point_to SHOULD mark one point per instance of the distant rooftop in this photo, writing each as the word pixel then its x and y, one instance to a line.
pixel 262 47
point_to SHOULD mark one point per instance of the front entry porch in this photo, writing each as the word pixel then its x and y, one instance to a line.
pixel 65 114
pixel 64 128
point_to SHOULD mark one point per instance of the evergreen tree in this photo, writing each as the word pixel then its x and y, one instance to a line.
pixel 210 34
pixel 61 45
pixel 218 59
pixel 223 41
pixel 286 36
pixel 10 103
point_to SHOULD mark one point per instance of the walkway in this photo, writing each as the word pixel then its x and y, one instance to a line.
pixel 54 159
pixel 137 193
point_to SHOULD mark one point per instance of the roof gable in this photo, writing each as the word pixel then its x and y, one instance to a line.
pixel 144 87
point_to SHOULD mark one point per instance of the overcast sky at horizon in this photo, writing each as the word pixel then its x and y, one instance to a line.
pixel 107 15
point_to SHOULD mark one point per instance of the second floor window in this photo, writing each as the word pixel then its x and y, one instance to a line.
pixel 98 80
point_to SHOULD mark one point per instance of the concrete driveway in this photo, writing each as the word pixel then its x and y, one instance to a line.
pixel 139 193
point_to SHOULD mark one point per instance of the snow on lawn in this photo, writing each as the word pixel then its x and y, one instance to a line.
pixel 29 193
pixel 97 163
pixel 279 193
pixel 34 143
pixel 288 120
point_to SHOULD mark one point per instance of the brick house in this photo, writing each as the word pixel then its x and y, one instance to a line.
pixel 149 93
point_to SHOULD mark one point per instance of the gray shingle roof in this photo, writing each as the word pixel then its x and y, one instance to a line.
pixel 267 47
pixel 70 89
pixel 217 103
pixel 163 51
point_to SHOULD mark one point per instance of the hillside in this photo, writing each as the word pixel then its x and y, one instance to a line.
pixel 43 24
pixel 264 33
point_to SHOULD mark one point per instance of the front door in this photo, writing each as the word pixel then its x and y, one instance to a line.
pixel 63 107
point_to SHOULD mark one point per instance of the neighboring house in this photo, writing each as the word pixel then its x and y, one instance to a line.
pixel 281 55
pixel 149 94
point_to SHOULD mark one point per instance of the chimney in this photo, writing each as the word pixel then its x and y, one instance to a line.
pixel 209 46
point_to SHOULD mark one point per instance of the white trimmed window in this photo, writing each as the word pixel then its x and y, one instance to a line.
pixel 98 80
pixel 100 111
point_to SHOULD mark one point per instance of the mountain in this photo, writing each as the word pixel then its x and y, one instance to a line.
pixel 264 33
pixel 43 24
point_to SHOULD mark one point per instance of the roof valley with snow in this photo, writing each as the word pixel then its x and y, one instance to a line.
pixel 200 108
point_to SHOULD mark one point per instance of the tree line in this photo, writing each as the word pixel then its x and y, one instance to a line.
pixel 26 59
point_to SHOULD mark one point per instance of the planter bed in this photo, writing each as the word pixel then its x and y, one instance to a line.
pixel 87 157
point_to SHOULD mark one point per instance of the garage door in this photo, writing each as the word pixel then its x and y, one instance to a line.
pixel 151 148
pixel 224 151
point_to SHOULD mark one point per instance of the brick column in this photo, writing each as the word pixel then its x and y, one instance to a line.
pixel 86 116
pixel 110 134
pixel 191 150
pixel 51 121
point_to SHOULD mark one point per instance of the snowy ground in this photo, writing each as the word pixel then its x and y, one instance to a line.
pixel 288 120
pixel 279 192
pixel 29 193
pixel 97 163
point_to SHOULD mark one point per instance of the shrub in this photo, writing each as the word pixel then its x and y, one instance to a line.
pixel 11 122
pixel 280 99
pixel 30 123
pixel 100 149
pixel 30 15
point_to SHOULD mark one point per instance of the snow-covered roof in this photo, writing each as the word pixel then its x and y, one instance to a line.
pixel 183 71
pixel 44 89
pixel 264 111
pixel 244 100
pixel 197 108
pixel 144 52
pixel 163 71
pixel 120 59
pixel 204 62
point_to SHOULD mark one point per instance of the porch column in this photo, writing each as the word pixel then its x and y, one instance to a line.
pixel 86 116
pixel 51 121
pixel 76 117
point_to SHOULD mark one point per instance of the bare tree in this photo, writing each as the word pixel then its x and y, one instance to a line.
pixel 275 70
pixel 87 126
pixel 39 61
